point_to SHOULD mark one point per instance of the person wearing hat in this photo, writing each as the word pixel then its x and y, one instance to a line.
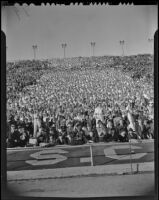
pixel 29 127
pixel 62 133
pixel 146 129
pixel 13 137
pixel 110 132
pixel 95 136
pixel 70 133
pixel 60 121
pixel 131 134
pixel 121 132
pixel 24 137
pixel 117 118
pixel 46 126
pixel 85 118
pixel 16 121
pixel 123 135
pixel 101 129
pixel 41 136
pixel 53 134
pixel 79 134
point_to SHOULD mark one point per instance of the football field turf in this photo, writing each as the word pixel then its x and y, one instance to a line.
pixel 75 156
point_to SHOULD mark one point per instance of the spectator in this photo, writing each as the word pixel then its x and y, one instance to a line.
pixel 62 135
pixel 101 129
pixel 121 132
pixel 70 133
pixel 80 137
pixel 37 125
pixel 29 127
pixel 41 136
pixel 131 134
pixel 13 137
pixel 53 134
pixel 75 90
pixel 24 137
pixel 111 133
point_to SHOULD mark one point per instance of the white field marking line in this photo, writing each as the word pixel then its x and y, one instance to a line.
pixel 76 146
pixel 111 153
pixel 86 159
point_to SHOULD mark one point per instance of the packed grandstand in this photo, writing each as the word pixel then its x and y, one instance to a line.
pixel 80 100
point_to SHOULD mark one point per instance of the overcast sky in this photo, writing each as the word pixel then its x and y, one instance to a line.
pixel 50 26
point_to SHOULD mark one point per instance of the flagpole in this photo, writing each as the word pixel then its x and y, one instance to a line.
pixel 91 155
pixel 130 150
pixel 129 137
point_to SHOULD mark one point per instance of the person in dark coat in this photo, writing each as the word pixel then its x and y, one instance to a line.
pixel 110 132
pixel 121 132
pixel 13 137
pixel 24 137
pixel 42 137
pixel 62 133
pixel 29 128
pixel 53 134
pixel 146 130
pixel 70 133
pixel 80 137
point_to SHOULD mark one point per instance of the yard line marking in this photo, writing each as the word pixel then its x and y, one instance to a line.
pixel 87 159
pixel 91 155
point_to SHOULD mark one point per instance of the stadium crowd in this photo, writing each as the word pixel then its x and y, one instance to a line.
pixel 77 106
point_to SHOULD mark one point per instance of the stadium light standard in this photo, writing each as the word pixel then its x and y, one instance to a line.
pixel 122 42
pixel 150 40
pixel 93 46
pixel 64 45
pixel 35 47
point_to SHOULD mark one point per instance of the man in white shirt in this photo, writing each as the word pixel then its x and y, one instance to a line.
pixel 37 125
pixel 99 117
pixel 99 114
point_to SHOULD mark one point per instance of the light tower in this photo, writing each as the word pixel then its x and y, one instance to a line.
pixel 122 42
pixel 93 46
pixel 64 45
pixel 150 40
pixel 35 47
